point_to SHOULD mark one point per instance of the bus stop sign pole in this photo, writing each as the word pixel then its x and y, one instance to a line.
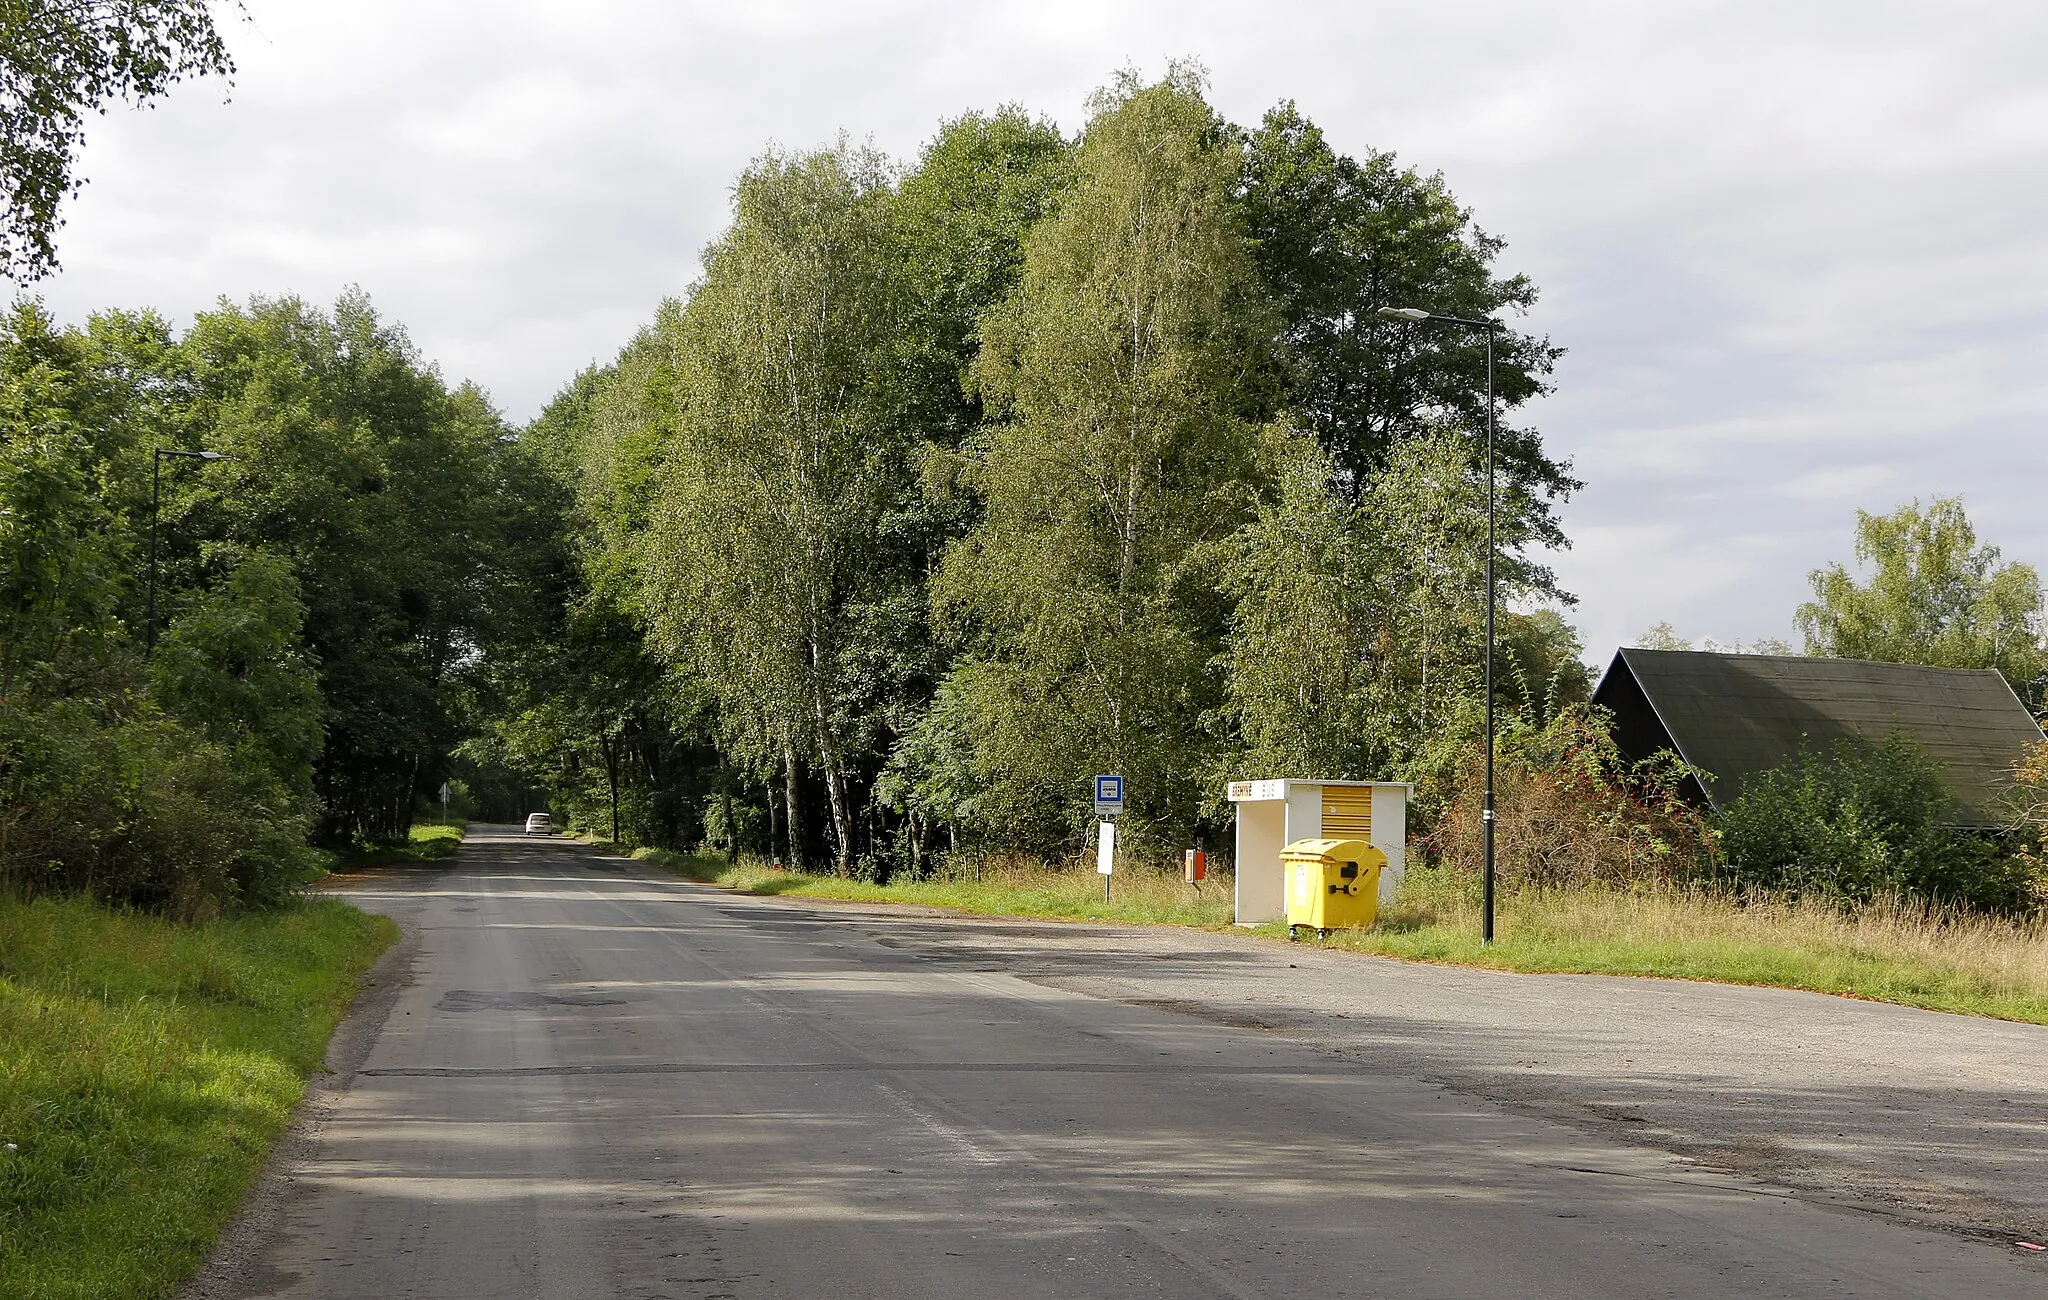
pixel 1109 803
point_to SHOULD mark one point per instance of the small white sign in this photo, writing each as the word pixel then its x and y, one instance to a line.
pixel 1257 791
pixel 1105 848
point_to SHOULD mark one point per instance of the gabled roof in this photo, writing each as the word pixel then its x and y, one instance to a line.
pixel 1736 715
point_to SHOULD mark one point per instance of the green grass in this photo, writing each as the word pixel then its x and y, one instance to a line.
pixel 426 842
pixel 1886 951
pixel 146 1068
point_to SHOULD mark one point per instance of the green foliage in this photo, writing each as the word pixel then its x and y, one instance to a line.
pixel 770 558
pixel 325 592
pixel 396 504
pixel 1335 238
pixel 1542 670
pixel 1118 372
pixel 58 583
pixel 233 668
pixel 1934 597
pixel 60 62
pixel 1357 643
pixel 116 799
pixel 940 492
pixel 145 1069
pixel 1855 821
pixel 961 216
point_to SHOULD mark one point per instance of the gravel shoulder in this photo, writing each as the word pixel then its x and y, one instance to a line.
pixel 1929 1118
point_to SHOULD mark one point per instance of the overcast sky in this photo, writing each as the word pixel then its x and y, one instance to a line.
pixel 1795 250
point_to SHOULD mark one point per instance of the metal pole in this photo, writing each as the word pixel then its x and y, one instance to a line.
pixel 1486 886
pixel 1416 315
pixel 156 475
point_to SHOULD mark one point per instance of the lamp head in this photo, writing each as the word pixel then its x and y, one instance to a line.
pixel 1410 314
pixel 209 455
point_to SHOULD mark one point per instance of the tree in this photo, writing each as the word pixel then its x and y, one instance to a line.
pixel 1357 636
pixel 961 215
pixel 1310 611
pixel 1118 374
pixel 1935 596
pixel 1662 636
pixel 62 60
pixel 391 497
pixel 234 668
pixel 769 561
pixel 1337 238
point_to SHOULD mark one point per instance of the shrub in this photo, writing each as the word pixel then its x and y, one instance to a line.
pixel 123 802
pixel 1857 820
pixel 1570 810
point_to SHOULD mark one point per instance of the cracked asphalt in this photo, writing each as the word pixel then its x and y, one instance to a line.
pixel 580 1077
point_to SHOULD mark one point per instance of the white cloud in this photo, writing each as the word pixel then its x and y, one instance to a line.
pixel 1794 249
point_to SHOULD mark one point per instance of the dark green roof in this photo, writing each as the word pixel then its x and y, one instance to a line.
pixel 1736 715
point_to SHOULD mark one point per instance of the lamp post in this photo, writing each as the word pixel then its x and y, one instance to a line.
pixel 156 478
pixel 1416 316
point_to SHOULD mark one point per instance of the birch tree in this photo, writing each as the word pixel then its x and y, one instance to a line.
pixel 763 552
pixel 1117 373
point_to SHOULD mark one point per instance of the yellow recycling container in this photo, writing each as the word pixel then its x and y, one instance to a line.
pixel 1331 884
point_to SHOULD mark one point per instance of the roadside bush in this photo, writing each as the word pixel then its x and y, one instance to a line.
pixel 1570 810
pixel 140 809
pixel 182 786
pixel 1857 820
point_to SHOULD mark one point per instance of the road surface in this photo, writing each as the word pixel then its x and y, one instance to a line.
pixel 582 1078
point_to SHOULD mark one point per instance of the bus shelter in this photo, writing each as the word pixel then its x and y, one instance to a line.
pixel 1274 814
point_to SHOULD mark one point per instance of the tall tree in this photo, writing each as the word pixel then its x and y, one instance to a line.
pixel 1935 596
pixel 1118 371
pixel 1357 642
pixel 1336 238
pixel 348 456
pixel 961 216
pixel 769 556
pixel 61 60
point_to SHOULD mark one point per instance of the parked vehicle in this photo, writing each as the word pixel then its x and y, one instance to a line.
pixel 538 824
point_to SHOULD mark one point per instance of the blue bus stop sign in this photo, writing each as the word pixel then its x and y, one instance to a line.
pixel 1109 796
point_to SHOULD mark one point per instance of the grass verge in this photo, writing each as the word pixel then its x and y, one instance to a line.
pixel 426 842
pixel 1137 897
pixel 1886 951
pixel 146 1068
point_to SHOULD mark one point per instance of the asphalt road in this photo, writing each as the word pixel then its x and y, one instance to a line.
pixel 580 1078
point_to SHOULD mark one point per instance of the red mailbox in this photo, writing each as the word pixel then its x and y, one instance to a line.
pixel 1195 866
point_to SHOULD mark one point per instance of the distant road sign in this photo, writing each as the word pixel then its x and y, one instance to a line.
pixel 1109 796
pixel 1105 849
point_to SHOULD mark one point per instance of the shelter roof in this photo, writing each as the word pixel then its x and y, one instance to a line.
pixel 1735 715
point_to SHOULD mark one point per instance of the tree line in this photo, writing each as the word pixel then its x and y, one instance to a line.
pixel 948 485
pixel 944 487
pixel 323 591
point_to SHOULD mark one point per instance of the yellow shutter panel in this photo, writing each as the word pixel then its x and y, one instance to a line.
pixel 1347 812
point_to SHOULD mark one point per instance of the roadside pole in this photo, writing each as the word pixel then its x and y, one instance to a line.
pixel 1109 804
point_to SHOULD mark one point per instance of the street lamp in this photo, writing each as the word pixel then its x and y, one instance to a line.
pixel 156 477
pixel 1416 316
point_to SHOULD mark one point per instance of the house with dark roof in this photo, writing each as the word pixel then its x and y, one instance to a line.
pixel 1735 715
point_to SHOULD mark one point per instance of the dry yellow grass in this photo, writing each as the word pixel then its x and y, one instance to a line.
pixel 1890 950
pixel 1887 951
